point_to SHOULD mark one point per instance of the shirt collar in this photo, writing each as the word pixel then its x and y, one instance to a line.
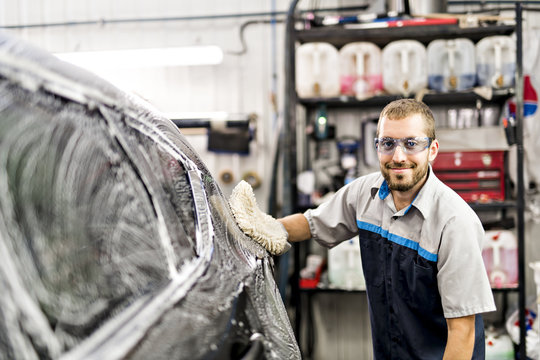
pixel 422 201
pixel 378 185
pixel 427 194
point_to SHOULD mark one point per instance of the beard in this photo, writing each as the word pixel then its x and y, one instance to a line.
pixel 399 182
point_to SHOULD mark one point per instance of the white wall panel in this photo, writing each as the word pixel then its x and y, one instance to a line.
pixel 241 84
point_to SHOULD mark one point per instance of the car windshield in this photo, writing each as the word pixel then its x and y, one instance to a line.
pixel 87 209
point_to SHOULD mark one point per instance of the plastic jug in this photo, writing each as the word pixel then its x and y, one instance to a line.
pixel 317 72
pixel 345 266
pixel 360 70
pixel 496 61
pixel 451 65
pixel 499 345
pixel 536 267
pixel 500 258
pixel 405 67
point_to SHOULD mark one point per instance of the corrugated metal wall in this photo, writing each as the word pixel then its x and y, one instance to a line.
pixel 339 325
pixel 242 84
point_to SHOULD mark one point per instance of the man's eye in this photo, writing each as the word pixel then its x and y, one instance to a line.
pixel 387 143
pixel 411 143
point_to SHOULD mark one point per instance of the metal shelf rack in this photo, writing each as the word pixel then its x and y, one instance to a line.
pixel 340 36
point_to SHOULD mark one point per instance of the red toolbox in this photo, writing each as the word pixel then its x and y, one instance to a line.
pixel 477 176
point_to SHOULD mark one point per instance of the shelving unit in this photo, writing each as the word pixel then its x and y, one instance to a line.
pixel 432 98
pixel 340 36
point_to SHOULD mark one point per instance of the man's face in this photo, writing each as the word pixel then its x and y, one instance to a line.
pixel 405 172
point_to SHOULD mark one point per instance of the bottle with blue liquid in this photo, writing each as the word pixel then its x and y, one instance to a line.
pixel 451 65
pixel 496 61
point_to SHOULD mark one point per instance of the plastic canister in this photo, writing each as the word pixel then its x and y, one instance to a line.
pixel 499 345
pixel 345 266
pixel 317 72
pixel 536 267
pixel 360 69
pixel 405 67
pixel 496 61
pixel 451 64
pixel 531 330
pixel 500 258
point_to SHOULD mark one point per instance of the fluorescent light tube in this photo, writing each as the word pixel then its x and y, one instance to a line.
pixel 144 58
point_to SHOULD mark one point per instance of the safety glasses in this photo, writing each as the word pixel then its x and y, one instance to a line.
pixel 409 145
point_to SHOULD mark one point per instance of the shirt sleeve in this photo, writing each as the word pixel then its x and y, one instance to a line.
pixel 335 220
pixel 463 282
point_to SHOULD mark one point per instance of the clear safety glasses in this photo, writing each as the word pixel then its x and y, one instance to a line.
pixel 410 145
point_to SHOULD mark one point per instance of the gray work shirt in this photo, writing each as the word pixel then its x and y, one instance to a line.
pixel 422 264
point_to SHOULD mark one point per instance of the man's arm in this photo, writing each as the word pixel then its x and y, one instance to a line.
pixel 297 226
pixel 460 343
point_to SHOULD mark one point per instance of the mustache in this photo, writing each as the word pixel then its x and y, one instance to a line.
pixel 394 165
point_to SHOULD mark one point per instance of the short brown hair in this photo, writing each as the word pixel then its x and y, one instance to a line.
pixel 402 108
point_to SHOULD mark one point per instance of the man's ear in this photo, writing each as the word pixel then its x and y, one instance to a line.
pixel 433 150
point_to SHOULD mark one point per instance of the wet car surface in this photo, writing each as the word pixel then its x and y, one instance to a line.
pixel 115 240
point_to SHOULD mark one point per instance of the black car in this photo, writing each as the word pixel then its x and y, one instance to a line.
pixel 115 240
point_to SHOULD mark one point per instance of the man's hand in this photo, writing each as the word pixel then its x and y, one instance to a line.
pixel 460 344
pixel 261 227
pixel 297 226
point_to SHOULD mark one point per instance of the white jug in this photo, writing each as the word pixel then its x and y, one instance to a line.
pixel 317 72
pixel 500 258
pixel 360 70
pixel 451 64
pixel 405 67
pixel 496 61
pixel 345 266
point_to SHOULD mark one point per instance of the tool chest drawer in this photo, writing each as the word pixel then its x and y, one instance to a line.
pixel 477 176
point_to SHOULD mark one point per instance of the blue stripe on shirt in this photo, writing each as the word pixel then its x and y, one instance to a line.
pixel 397 239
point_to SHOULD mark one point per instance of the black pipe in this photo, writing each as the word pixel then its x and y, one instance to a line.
pixel 137 20
pixel 175 18
pixel 289 158
pixel 491 2
pixel 520 181
pixel 494 10
pixel 243 28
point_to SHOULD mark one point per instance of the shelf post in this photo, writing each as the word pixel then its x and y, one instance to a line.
pixel 520 181
pixel 289 158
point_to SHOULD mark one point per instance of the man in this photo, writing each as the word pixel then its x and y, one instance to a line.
pixel 420 245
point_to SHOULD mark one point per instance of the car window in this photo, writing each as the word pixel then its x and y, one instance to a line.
pixel 85 210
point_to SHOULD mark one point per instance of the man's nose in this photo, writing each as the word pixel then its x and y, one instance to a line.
pixel 399 154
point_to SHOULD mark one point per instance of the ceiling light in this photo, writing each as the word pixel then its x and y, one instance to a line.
pixel 144 58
